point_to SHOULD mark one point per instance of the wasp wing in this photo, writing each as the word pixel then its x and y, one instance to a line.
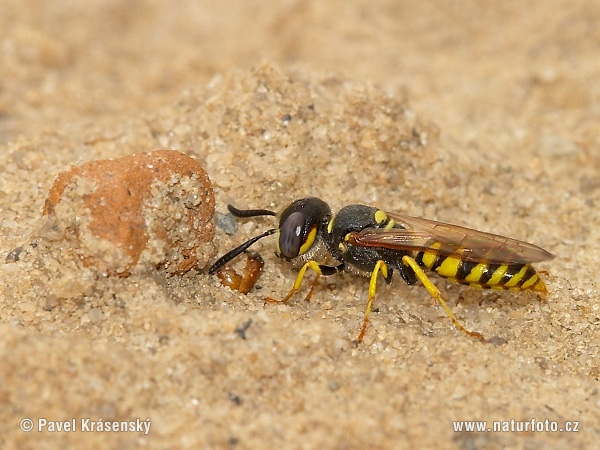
pixel 418 234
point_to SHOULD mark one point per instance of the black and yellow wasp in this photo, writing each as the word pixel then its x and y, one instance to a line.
pixel 367 241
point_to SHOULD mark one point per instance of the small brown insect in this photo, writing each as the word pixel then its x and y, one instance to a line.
pixel 242 283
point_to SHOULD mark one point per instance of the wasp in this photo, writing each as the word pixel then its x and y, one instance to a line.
pixel 369 242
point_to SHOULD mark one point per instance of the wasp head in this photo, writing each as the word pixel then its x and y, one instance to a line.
pixel 299 226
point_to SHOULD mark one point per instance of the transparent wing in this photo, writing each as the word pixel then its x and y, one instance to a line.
pixel 420 234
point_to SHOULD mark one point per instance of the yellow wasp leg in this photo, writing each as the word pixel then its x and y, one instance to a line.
pixel 315 282
pixel 313 285
pixel 435 293
pixel 379 266
pixel 310 264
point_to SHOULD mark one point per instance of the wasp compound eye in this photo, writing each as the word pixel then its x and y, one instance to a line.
pixel 291 235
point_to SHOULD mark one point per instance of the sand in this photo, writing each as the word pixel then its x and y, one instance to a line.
pixel 483 115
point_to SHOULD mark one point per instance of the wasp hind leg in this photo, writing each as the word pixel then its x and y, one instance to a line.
pixel 435 293
pixel 319 269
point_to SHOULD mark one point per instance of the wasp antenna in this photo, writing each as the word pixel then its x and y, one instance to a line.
pixel 236 251
pixel 250 212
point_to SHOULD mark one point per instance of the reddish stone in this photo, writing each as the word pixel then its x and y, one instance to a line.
pixel 126 210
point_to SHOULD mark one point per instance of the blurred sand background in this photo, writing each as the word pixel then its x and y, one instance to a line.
pixel 484 114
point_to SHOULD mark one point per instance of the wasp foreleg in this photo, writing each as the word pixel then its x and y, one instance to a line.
pixel 320 269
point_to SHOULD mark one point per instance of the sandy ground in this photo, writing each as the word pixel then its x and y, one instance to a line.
pixel 484 115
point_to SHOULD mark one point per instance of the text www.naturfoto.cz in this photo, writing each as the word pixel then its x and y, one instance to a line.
pixel 518 426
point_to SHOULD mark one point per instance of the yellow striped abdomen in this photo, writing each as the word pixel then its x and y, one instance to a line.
pixel 482 275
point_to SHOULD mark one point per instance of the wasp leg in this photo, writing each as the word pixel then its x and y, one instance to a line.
pixel 320 269
pixel 316 280
pixel 313 285
pixel 435 293
pixel 382 267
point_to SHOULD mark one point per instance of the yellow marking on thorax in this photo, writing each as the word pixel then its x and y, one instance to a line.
pixel 429 257
pixel 476 273
pixel 330 224
pixel 516 277
pixel 380 216
pixel 449 267
pixel 310 239
pixel 497 276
